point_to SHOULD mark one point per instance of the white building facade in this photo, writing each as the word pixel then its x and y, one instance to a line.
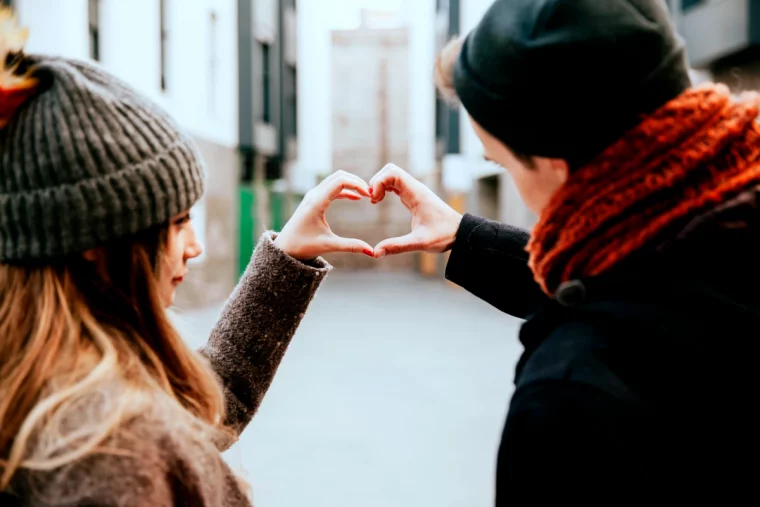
pixel 183 55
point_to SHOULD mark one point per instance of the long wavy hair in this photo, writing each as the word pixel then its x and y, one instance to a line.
pixel 72 329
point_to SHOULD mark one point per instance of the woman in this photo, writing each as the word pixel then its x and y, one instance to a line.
pixel 101 402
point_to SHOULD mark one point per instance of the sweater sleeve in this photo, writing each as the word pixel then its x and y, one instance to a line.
pixel 257 324
pixel 489 260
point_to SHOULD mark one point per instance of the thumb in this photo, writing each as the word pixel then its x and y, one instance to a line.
pixel 404 244
pixel 350 245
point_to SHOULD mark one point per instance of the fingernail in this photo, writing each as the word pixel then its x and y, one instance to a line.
pixel 369 252
pixel 370 191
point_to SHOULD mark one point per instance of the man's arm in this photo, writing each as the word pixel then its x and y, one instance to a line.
pixel 489 260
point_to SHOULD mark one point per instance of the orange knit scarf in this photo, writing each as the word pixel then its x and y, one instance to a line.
pixel 698 150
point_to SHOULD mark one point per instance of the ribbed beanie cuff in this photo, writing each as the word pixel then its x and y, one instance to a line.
pixel 86 161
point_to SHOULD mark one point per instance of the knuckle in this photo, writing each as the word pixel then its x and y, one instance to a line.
pixel 396 170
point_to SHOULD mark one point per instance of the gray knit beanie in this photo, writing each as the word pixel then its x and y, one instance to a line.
pixel 86 160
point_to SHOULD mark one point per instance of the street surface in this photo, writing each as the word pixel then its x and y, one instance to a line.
pixel 392 394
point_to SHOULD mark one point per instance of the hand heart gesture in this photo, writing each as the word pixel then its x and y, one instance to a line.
pixel 307 234
pixel 434 223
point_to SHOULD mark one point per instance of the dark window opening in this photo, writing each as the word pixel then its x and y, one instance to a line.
pixel 93 12
pixel 163 36
pixel 292 99
pixel 266 85
pixel 440 118
pixel 247 172
pixel 294 119
pixel 273 168
pixel 690 4
pixel 212 64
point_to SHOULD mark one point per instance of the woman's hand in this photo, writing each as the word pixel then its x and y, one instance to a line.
pixel 307 234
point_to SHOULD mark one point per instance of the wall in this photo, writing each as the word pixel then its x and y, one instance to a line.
pixel 315 21
pixel 471 12
pixel 56 27
pixel 420 18
pixel 370 126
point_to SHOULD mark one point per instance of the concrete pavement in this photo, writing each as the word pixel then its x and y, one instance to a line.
pixel 393 393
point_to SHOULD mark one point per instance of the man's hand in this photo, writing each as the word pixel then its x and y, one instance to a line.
pixel 307 234
pixel 434 223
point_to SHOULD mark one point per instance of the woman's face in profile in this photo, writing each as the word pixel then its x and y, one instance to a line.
pixel 181 246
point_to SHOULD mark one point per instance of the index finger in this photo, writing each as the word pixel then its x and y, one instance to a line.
pixel 384 172
pixel 391 177
pixel 335 187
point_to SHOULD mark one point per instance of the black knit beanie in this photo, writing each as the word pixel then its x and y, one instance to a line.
pixel 567 78
pixel 84 159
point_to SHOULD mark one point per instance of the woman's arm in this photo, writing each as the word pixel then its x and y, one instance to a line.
pixel 258 322
pixel 265 309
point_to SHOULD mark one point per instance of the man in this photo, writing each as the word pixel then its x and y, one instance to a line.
pixel 638 283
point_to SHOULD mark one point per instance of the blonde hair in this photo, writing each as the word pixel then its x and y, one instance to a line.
pixel 443 73
pixel 91 341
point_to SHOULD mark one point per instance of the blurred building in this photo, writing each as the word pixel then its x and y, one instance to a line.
pixel 268 120
pixel 722 40
pixel 226 71
pixel 370 86
pixel 470 184
pixel 341 88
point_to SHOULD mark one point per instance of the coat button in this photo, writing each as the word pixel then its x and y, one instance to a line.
pixel 571 293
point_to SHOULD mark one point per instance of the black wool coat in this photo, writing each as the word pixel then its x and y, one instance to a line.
pixel 638 385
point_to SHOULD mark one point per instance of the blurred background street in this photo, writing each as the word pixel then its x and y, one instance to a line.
pixel 393 392
pixel 395 388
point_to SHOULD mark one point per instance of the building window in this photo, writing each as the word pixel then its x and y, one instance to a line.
pixel 690 4
pixel 294 110
pixel 266 92
pixel 93 8
pixel 290 86
pixel 212 62
pixel 163 35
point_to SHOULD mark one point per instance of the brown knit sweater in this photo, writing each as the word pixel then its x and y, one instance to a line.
pixel 168 469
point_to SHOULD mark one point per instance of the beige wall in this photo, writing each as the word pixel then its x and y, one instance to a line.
pixel 212 279
pixel 370 96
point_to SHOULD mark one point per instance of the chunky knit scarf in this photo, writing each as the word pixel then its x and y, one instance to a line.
pixel 695 152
